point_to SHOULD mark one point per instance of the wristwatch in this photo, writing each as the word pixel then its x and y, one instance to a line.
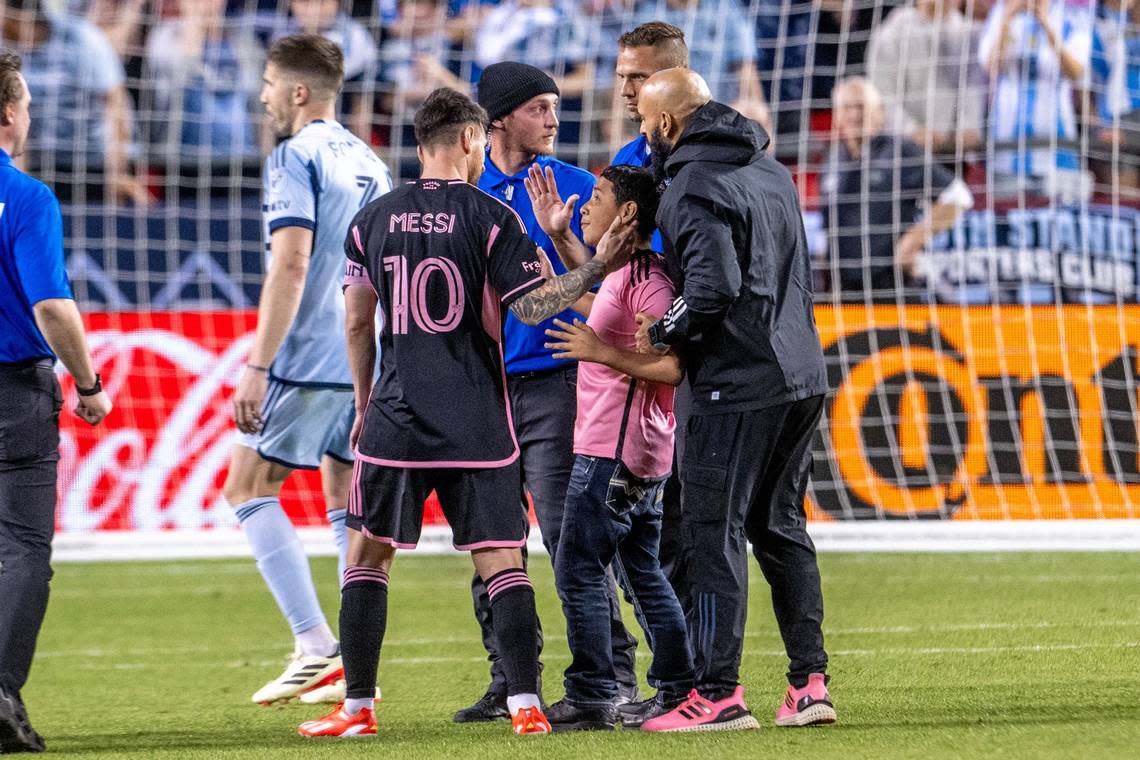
pixel 656 336
pixel 95 389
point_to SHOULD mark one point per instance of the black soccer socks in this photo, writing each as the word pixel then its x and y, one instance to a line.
pixel 513 617
pixel 363 618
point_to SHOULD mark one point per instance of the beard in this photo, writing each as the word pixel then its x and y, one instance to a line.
pixel 659 150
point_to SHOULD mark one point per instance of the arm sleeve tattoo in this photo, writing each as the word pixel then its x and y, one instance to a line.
pixel 558 294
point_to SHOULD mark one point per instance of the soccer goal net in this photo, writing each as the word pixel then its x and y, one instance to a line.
pixel 968 174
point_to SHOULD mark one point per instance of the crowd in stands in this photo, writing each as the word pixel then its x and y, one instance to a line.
pixel 1016 97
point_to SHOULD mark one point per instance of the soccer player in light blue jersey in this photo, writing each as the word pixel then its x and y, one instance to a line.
pixel 294 404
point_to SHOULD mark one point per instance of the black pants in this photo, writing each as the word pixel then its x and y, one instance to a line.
pixel 543 406
pixel 30 401
pixel 748 485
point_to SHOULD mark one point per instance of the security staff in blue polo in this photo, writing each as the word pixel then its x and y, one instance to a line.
pixel 38 323
pixel 522 103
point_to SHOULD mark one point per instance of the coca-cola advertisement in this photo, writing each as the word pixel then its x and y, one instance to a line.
pixel 159 459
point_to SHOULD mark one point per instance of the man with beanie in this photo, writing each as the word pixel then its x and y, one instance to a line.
pixel 521 102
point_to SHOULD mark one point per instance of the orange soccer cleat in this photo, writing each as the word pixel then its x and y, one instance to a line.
pixel 529 720
pixel 340 723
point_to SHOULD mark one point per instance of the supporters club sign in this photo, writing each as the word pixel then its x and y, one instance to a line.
pixel 936 412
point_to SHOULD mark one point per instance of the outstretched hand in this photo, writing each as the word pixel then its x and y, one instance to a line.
pixel 576 341
pixel 550 211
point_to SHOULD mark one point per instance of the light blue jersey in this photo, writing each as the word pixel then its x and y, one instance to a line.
pixel 318 179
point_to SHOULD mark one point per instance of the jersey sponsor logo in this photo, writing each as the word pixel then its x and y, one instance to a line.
pixel 276 180
pixel 410 295
pixel 422 223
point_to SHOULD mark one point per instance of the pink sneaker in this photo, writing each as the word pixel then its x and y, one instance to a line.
pixel 699 714
pixel 809 706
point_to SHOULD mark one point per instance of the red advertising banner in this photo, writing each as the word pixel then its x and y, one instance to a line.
pixel 159 459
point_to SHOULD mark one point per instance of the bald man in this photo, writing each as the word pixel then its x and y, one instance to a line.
pixel 734 243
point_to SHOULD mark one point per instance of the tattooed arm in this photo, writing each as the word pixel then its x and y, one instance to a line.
pixel 614 250
pixel 557 294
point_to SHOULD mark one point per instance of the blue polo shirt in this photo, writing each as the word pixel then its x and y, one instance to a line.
pixel 633 153
pixel 636 153
pixel 523 347
pixel 31 261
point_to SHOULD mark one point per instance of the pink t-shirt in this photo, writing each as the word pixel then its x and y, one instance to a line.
pixel 619 417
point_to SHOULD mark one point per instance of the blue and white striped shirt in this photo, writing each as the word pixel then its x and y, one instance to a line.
pixel 1032 99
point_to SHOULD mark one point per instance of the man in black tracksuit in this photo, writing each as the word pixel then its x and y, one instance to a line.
pixel 734 241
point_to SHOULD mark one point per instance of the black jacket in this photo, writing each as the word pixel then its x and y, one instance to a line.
pixel 734 241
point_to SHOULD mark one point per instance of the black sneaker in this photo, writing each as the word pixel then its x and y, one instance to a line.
pixel 492 706
pixel 565 716
pixel 634 714
pixel 16 732
pixel 627 694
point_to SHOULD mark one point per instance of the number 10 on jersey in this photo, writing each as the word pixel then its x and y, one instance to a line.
pixel 415 294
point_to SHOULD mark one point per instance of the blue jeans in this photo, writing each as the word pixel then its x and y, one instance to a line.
pixel 614 517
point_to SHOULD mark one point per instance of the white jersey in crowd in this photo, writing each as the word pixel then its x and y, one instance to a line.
pixel 1032 99
pixel 318 179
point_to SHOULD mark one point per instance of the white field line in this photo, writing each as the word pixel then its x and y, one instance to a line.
pixel 890 651
pixel 151 590
pixel 98 652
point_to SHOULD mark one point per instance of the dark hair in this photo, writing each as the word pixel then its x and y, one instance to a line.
pixel 11 90
pixel 317 61
pixel 633 183
pixel 658 34
pixel 443 115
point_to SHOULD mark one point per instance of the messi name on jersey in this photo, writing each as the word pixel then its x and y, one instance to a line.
pixel 428 222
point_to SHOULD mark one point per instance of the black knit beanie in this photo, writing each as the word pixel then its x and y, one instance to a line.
pixel 503 87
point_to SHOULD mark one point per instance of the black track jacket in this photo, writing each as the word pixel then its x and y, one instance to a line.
pixel 735 245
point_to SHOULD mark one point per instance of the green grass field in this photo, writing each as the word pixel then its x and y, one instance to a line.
pixel 1011 655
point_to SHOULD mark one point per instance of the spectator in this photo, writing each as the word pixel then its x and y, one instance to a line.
pixel 361 56
pixel 542 34
pixel 80 104
pixel 1034 52
pixel 1116 60
pixel 551 35
pixel 722 44
pixel 1116 70
pixel 120 20
pixel 206 75
pixel 922 61
pixel 883 200
pixel 786 32
pixel 414 59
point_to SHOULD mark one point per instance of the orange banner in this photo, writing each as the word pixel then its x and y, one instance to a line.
pixel 987 412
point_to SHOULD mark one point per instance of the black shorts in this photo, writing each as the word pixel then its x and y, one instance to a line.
pixel 483 507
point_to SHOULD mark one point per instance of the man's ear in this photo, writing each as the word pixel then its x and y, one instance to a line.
pixel 466 137
pixel 301 94
pixel 7 115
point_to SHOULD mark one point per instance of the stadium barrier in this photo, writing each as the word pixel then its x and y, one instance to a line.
pixel 948 428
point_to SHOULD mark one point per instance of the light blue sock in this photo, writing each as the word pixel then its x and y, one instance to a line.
pixel 282 561
pixel 340 537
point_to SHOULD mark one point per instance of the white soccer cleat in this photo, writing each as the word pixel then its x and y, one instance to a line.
pixel 332 690
pixel 304 672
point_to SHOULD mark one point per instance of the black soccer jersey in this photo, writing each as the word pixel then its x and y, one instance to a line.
pixel 445 260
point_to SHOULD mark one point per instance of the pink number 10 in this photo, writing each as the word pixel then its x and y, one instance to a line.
pixel 417 293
